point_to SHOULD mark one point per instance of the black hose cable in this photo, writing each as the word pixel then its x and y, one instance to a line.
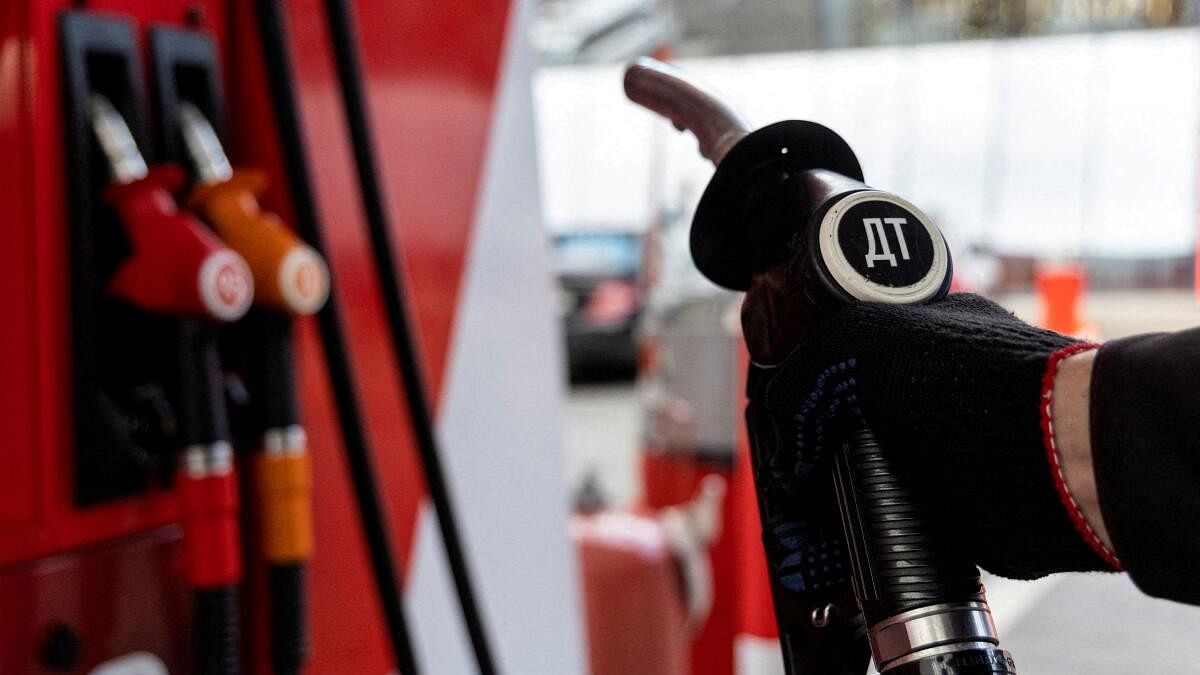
pixel 288 613
pixel 277 58
pixel 343 34
pixel 216 630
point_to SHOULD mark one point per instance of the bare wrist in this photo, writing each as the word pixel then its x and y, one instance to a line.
pixel 1071 442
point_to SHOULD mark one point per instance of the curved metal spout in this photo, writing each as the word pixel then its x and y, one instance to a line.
pixel 671 93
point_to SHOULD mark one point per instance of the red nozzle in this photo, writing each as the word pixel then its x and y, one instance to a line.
pixel 177 266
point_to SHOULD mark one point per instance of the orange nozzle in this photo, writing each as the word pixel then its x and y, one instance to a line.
pixel 285 497
pixel 288 274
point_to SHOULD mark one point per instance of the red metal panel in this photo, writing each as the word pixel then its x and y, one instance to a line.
pixel 431 73
pixel 120 598
pixel 18 396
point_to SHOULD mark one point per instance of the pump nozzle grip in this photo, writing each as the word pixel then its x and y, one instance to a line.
pixel 288 274
pixel 177 265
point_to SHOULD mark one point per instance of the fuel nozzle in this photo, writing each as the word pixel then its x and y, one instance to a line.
pixel 290 275
pixel 177 266
pixel 787 218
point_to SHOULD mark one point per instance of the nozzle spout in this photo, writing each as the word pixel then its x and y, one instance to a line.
pixel 671 93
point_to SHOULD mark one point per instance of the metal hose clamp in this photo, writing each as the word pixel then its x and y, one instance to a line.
pixel 910 635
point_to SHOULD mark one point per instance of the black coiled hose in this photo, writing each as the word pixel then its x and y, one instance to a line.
pixel 216 631
pixel 289 634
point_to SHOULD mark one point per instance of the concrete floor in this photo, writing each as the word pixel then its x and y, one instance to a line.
pixel 1086 624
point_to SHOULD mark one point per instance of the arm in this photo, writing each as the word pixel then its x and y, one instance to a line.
pixel 1144 412
pixel 1024 439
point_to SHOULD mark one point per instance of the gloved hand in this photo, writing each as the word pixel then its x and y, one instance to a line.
pixel 955 387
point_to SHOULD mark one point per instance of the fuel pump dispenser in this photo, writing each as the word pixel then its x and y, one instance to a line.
pixel 119 531
pixel 787 218
pixel 179 269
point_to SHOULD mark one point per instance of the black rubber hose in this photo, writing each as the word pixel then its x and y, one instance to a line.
pixel 391 281
pixel 203 420
pixel 289 630
pixel 271 371
pixel 216 630
pixel 273 38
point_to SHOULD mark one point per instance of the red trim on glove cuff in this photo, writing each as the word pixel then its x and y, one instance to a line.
pixel 1056 470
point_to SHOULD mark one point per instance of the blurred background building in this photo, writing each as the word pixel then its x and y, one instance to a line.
pixel 589 31
pixel 752 26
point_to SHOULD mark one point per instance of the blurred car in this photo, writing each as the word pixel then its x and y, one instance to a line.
pixel 599 299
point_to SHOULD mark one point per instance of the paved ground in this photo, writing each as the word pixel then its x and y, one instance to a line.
pixel 602 429
pixel 1063 625
pixel 1118 314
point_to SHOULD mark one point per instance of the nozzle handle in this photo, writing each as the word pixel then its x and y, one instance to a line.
pixel 288 274
pixel 177 265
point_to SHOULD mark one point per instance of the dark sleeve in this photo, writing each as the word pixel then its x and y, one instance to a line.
pixel 1145 426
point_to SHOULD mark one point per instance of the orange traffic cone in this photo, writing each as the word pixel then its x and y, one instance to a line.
pixel 1060 288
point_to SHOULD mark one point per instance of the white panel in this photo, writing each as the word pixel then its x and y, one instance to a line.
pixel 754 655
pixel 1046 87
pixel 594 150
pixel 440 638
pixel 501 423
pixel 953 129
pixel 1100 144
pixel 1142 186
pixel 1011 600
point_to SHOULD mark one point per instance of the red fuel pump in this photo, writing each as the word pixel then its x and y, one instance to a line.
pixel 123 463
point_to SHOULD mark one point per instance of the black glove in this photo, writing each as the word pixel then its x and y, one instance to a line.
pixel 955 387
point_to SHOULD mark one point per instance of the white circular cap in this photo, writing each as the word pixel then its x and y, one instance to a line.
pixel 852 280
pixel 226 285
pixel 303 280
